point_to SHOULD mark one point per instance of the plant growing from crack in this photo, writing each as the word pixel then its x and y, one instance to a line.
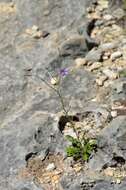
pixel 80 148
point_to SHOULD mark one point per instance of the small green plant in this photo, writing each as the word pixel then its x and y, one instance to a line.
pixel 80 148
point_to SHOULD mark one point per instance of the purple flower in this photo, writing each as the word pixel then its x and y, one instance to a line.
pixel 64 72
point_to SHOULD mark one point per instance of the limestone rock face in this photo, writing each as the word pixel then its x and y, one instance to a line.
pixel 50 14
pixel 26 103
pixel 37 36
pixel 115 3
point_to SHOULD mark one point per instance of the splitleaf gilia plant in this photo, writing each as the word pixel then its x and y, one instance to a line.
pixel 80 148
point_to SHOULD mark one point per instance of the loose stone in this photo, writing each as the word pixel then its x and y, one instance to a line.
pixel 35 28
pixel 100 81
pixel 110 73
pixel 95 66
pixel 51 167
pixel 54 81
pixel 116 55
pixel 108 17
pixel 114 113
pixel 80 62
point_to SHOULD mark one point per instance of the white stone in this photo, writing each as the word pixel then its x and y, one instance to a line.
pixel 100 81
pixel 118 181
pixel 114 114
pixel 51 167
pixel 95 66
pixel 108 17
pixel 105 57
pixel 35 28
pixel 110 74
pixel 54 81
pixel 116 55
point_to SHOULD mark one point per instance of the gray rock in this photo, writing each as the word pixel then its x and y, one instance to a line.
pixel 79 44
pixel 103 185
pixel 112 138
pixel 16 142
pixel 118 91
pixel 75 46
pixel 108 46
pixel 86 30
pixel 99 23
pixel 94 55
pixel 50 15
pixel 100 160
pixel 28 121
pixel 118 13
pixel 115 3
pixel 27 126
pixel 86 182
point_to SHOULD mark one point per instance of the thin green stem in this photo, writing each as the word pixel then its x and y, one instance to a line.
pixel 62 104
pixel 59 95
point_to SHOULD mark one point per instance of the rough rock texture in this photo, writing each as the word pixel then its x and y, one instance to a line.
pixel 50 14
pixel 26 103
pixel 49 34
pixel 111 144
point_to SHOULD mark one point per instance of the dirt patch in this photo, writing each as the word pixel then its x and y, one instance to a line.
pixel 38 169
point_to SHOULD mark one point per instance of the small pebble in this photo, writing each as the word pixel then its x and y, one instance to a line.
pixel 108 17
pixel 51 167
pixel 109 172
pixel 116 55
pixel 114 114
pixel 100 81
pixel 99 23
pixel 54 81
pixel 29 31
pixel 95 66
pixel 108 46
pixel 105 57
pixel 80 62
pixel 108 83
pixel 110 74
pixel 35 28
pixel 118 181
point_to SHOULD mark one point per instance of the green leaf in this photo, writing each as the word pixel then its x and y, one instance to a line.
pixel 85 157
pixel 80 148
pixel 93 142
pixel 72 151
pixel 75 142
pixel 69 138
